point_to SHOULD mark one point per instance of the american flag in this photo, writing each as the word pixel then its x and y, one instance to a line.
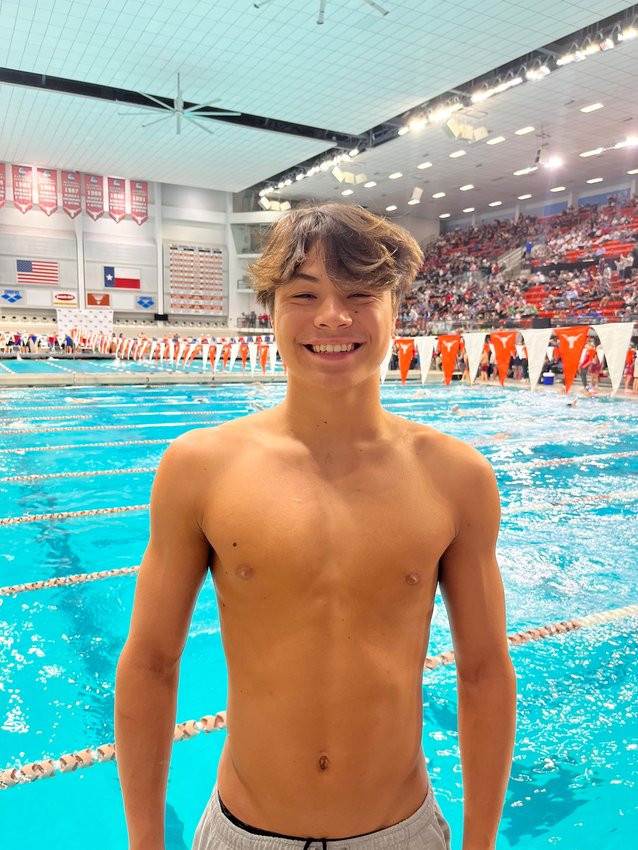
pixel 37 271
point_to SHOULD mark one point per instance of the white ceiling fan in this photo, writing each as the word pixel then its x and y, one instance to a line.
pixel 322 8
pixel 191 113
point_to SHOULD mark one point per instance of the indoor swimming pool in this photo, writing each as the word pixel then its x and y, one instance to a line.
pixel 568 479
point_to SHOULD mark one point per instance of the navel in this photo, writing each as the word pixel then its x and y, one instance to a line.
pixel 324 763
pixel 244 571
pixel 412 578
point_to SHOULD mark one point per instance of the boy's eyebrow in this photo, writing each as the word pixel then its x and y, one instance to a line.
pixel 302 276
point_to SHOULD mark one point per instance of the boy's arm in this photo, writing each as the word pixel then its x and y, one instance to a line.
pixel 473 594
pixel 170 577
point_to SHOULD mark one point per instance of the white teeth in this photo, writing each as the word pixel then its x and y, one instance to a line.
pixel 331 349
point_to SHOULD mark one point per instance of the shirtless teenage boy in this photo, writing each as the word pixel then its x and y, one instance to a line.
pixel 327 523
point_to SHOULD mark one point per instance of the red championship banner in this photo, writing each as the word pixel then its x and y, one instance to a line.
pixel 504 343
pixel 71 193
pixel 117 198
pixel 47 190
pixel 139 201
pixel 405 349
pixel 571 342
pixel 3 184
pixel 449 345
pixel 94 195
pixel 22 187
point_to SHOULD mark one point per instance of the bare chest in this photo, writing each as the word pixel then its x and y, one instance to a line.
pixel 348 535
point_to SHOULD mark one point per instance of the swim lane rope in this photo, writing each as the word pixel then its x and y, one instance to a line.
pixel 87 757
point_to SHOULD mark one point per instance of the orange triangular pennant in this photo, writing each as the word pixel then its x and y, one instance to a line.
pixel 504 343
pixel 406 353
pixel 449 345
pixel 571 342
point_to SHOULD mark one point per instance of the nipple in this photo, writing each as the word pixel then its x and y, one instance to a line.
pixel 412 578
pixel 244 572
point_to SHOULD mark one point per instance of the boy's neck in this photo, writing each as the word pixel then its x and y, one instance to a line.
pixel 336 418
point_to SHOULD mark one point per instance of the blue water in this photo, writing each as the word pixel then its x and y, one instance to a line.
pixel 562 554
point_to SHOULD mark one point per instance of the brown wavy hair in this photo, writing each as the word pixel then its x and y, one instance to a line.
pixel 357 247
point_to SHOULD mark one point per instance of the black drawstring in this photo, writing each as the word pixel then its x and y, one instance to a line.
pixel 311 841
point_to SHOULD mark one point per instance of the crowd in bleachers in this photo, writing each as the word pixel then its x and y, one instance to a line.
pixel 581 264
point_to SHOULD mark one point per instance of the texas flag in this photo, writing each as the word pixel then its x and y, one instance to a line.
pixel 117 277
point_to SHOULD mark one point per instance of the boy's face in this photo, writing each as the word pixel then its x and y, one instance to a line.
pixel 311 312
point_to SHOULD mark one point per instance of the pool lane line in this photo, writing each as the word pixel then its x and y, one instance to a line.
pixel 63 581
pixel 540 632
pixel 88 474
pixel 69 762
pixel 16 520
pixel 9 431
pixel 564 461
pixel 117 444
pixel 88 402
pixel 507 510
pixel 621 495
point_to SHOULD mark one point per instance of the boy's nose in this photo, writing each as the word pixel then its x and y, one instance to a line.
pixel 332 311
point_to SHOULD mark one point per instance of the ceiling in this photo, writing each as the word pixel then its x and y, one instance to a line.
pixel 357 70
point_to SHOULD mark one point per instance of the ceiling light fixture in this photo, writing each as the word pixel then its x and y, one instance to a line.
pixel 424 165
pixel 592 107
pixel 369 184
pixel 554 162
pixel 537 73
pixel 595 180
pixel 347 192
pixel 558 189
pixel 466 188
pixel 416 196
pixel 523 171
pixel 524 197
pixel 523 131
pixel 395 175
pixel 628 33
pixel 468 210
pixel 593 152
pixel 496 140
pixel 418 122
pixel 403 130
pixel 456 154
pixel 391 208
pixel 495 204
pixel 633 171
pixel 439 195
pixel 444 215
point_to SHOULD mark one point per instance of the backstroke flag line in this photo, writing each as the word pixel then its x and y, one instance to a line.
pixel 536 341
pixel 474 343
pixel 504 345
pixel 615 340
pixel 571 342
pixel 425 347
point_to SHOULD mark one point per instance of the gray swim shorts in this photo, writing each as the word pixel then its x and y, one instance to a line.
pixel 426 829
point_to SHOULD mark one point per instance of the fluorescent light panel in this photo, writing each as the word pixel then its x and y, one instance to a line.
pixel 423 165
pixel 595 180
pixel 592 107
pixel 523 197
pixel 496 140
pixel 523 131
pixel 456 154
pixel 444 215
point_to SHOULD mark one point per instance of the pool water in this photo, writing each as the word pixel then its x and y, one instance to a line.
pixel 567 548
